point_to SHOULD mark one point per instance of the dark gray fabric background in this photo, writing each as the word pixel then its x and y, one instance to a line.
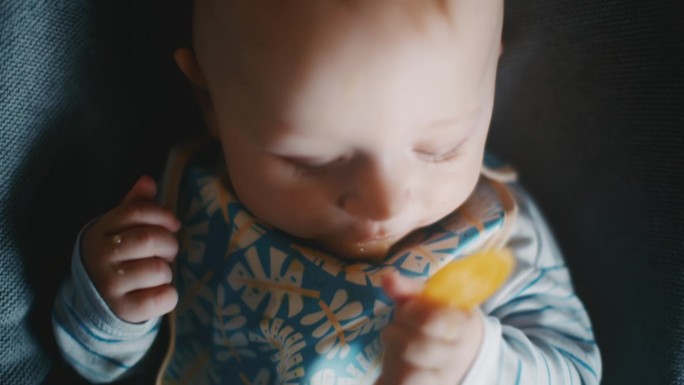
pixel 589 108
pixel 40 86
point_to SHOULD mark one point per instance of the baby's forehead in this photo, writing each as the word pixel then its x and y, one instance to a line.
pixel 347 5
pixel 304 26
pixel 271 16
pixel 269 49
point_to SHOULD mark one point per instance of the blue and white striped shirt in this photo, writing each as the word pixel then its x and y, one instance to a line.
pixel 536 329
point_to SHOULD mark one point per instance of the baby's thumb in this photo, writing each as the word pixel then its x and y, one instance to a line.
pixel 401 288
pixel 145 190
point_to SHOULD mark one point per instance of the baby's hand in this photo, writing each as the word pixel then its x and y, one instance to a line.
pixel 127 253
pixel 427 343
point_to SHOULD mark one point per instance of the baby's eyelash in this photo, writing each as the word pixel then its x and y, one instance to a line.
pixel 303 164
pixel 441 157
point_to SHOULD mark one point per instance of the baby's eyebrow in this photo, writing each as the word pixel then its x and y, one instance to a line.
pixel 266 134
pixel 441 123
pixel 451 120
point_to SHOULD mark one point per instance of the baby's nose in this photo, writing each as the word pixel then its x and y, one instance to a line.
pixel 376 192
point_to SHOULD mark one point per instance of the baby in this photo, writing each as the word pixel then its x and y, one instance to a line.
pixel 347 168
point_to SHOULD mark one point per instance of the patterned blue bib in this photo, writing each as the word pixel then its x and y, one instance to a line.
pixel 257 306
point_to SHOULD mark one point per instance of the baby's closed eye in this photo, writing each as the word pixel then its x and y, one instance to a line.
pixel 438 156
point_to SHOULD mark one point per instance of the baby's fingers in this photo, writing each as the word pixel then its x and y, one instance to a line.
pixel 142 242
pixel 142 305
pixel 141 274
pixel 401 289
pixel 405 348
pixel 138 208
pixel 144 189
pixel 431 321
pixel 132 214
pixel 420 316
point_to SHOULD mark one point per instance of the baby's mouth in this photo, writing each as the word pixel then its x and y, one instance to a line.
pixel 375 238
pixel 377 246
pixel 376 241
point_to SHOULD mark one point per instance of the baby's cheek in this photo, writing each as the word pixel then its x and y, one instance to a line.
pixel 447 197
pixel 300 212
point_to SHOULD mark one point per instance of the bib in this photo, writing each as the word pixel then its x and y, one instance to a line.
pixel 257 306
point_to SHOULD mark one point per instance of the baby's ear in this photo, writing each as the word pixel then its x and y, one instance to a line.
pixel 187 63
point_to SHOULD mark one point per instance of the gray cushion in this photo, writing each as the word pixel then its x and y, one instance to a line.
pixel 40 43
pixel 590 108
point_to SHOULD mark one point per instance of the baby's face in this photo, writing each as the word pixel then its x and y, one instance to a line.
pixel 352 125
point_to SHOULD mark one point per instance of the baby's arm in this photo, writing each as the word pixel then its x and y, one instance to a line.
pixel 106 316
pixel 536 330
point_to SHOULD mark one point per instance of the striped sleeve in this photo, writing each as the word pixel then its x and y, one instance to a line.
pixel 91 338
pixel 537 330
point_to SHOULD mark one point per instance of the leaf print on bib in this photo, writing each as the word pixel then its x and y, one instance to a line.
pixel 257 285
pixel 215 196
pixel 371 275
pixel 230 341
pixel 284 345
pixel 191 365
pixel 325 262
pixel 425 259
pixel 193 237
pixel 382 315
pixel 246 230
pixel 359 273
pixel 331 377
pixel 342 322
pixel 368 363
pixel 196 299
